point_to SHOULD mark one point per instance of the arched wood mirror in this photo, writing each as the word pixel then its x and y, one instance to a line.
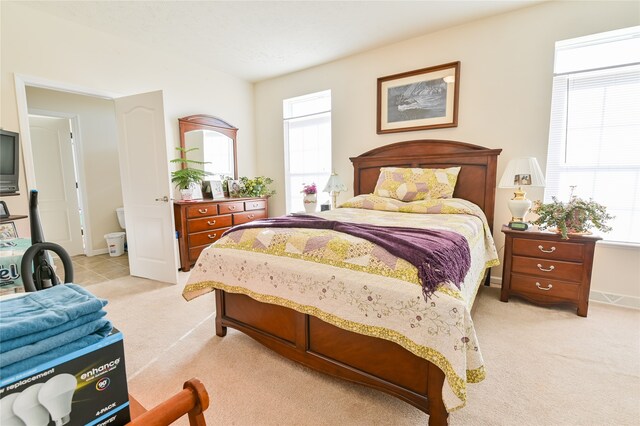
pixel 216 143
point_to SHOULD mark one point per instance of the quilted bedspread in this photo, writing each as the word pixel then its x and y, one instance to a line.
pixel 358 286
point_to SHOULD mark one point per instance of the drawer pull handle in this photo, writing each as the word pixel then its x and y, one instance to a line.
pixel 211 237
pixel 549 287
pixel 547 251
pixel 251 216
pixel 202 211
pixel 232 207
pixel 211 222
pixel 551 268
pixel 255 204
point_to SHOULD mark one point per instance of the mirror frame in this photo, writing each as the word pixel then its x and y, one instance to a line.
pixel 209 122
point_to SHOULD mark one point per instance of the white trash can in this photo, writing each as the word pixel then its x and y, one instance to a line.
pixel 115 243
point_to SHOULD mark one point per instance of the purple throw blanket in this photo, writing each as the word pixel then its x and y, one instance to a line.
pixel 440 256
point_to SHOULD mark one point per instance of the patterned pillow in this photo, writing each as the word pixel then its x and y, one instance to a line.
pixel 416 184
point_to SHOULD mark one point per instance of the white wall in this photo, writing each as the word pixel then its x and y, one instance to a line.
pixel 505 97
pixel 99 147
pixel 36 44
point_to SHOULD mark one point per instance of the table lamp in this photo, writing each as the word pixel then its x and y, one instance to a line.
pixel 334 186
pixel 521 172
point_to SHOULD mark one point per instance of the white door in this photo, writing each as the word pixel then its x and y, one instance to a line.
pixel 56 182
pixel 144 171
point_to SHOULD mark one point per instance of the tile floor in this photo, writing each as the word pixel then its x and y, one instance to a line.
pixel 96 269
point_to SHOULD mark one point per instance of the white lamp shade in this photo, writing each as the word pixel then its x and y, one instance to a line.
pixel 523 171
pixel 334 184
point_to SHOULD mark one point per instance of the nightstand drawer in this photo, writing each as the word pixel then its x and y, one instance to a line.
pixel 552 269
pixel 548 249
pixel 208 223
pixel 545 287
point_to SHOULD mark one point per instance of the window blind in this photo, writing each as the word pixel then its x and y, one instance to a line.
pixel 307 133
pixel 594 141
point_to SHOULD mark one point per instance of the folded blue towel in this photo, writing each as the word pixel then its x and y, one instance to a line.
pixel 26 364
pixel 9 345
pixel 56 341
pixel 45 309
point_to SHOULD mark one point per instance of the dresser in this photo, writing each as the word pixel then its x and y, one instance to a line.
pixel 543 268
pixel 200 223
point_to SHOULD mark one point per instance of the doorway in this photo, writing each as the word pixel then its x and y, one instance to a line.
pixel 83 159
pixel 60 204
pixel 141 173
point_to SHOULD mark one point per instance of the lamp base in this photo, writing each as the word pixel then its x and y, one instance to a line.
pixel 519 209
pixel 334 199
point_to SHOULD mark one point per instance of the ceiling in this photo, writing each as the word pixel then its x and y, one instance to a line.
pixel 257 40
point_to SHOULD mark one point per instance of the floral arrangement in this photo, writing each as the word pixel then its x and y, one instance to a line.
pixel 256 187
pixel 309 189
pixel 575 216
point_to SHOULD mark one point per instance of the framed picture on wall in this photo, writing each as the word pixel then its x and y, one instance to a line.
pixel 419 100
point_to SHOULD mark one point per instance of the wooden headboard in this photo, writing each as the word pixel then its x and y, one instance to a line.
pixel 476 181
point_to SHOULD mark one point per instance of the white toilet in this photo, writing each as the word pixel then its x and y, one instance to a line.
pixel 120 213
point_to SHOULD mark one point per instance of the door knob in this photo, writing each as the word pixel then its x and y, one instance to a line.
pixel 165 199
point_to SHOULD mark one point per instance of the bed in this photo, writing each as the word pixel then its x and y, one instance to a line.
pixel 358 345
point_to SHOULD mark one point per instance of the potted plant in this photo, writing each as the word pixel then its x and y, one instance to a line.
pixel 310 197
pixel 574 217
pixel 186 177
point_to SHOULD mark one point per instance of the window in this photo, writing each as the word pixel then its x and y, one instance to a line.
pixel 307 146
pixel 594 137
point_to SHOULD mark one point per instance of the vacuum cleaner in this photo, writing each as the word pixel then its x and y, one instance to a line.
pixel 36 269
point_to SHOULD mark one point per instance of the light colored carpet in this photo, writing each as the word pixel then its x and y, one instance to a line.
pixel 546 366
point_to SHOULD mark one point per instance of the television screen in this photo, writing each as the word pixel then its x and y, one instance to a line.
pixel 9 162
pixel 7 157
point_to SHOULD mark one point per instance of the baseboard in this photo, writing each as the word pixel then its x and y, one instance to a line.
pixel 615 299
pixel 594 296
pixel 97 252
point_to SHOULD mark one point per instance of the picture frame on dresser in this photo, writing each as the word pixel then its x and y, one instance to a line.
pixel 235 188
pixel 206 190
pixel 217 191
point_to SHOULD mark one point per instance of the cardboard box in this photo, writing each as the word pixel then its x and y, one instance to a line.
pixel 93 379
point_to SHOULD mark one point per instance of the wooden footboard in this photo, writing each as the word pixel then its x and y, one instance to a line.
pixel 370 361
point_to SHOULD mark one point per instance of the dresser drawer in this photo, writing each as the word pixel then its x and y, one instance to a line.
pixel 226 208
pixel 245 217
pixel 548 249
pixel 255 205
pixel 207 237
pixel 201 210
pixel 545 287
pixel 208 223
pixel 552 269
pixel 194 252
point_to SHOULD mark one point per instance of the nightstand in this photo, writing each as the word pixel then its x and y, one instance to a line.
pixel 543 268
